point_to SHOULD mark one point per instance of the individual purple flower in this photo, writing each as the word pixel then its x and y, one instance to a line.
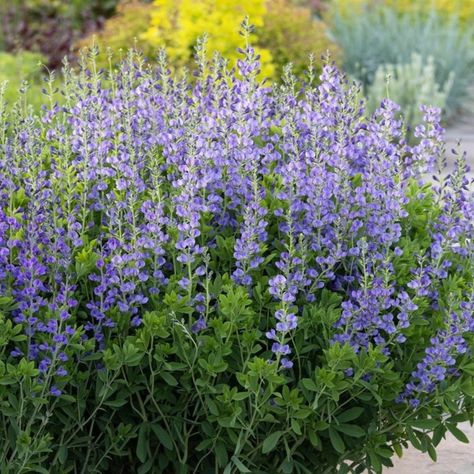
pixel 199 325
pixel 55 391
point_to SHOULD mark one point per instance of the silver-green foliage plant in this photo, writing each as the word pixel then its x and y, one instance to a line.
pixel 381 36
pixel 410 85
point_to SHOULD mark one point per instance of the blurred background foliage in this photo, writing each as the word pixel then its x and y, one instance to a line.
pixel 23 71
pixel 425 46
pixel 462 9
pixel 382 36
pixel 122 31
pixel 177 25
pixel 50 27
pixel 284 31
pixel 292 32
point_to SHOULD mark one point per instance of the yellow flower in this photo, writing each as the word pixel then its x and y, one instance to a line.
pixel 178 24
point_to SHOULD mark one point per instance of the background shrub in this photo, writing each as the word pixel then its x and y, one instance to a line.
pixel 284 32
pixel 381 36
pixel 292 34
pixel 16 68
pixel 178 25
pixel 123 29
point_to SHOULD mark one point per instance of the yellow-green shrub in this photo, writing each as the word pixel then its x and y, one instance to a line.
pixel 177 24
pixel 291 34
pixel 283 33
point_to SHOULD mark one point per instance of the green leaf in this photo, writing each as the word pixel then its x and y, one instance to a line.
pixel 206 443
pixel 142 443
pixel 240 396
pixel 221 454
pixel 375 461
pixel 162 436
pixel 432 452
pixel 304 413
pixel 468 368
pixel 145 468
pixel 309 385
pixel 438 434
pixel 457 433
pixel 468 388
pixel 295 426
pixel 351 430
pixel 211 404
pixel 239 465
pixel 343 469
pixel 62 454
pixel 116 403
pixel 336 440
pixel 350 415
pixel 271 441
pixel 384 452
pixel 169 379
pixel 314 439
pixel 287 466
pixel 7 380
pixel 321 425
pixel 397 447
pixel 413 438
pixel 424 424
pixel 38 469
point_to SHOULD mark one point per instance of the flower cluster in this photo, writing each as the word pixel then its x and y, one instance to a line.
pixel 143 193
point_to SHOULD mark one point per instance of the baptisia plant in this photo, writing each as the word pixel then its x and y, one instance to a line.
pixel 214 276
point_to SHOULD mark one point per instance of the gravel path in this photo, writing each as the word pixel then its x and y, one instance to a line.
pixel 454 457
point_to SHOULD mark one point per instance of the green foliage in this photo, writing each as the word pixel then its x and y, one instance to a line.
pixel 123 29
pixel 292 34
pixel 160 398
pixel 210 402
pixel 17 68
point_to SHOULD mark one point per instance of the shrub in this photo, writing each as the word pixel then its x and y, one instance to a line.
pixel 292 34
pixel 120 31
pixel 287 33
pixel 222 277
pixel 381 36
pixel 17 68
pixel 178 26
pixel 410 85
